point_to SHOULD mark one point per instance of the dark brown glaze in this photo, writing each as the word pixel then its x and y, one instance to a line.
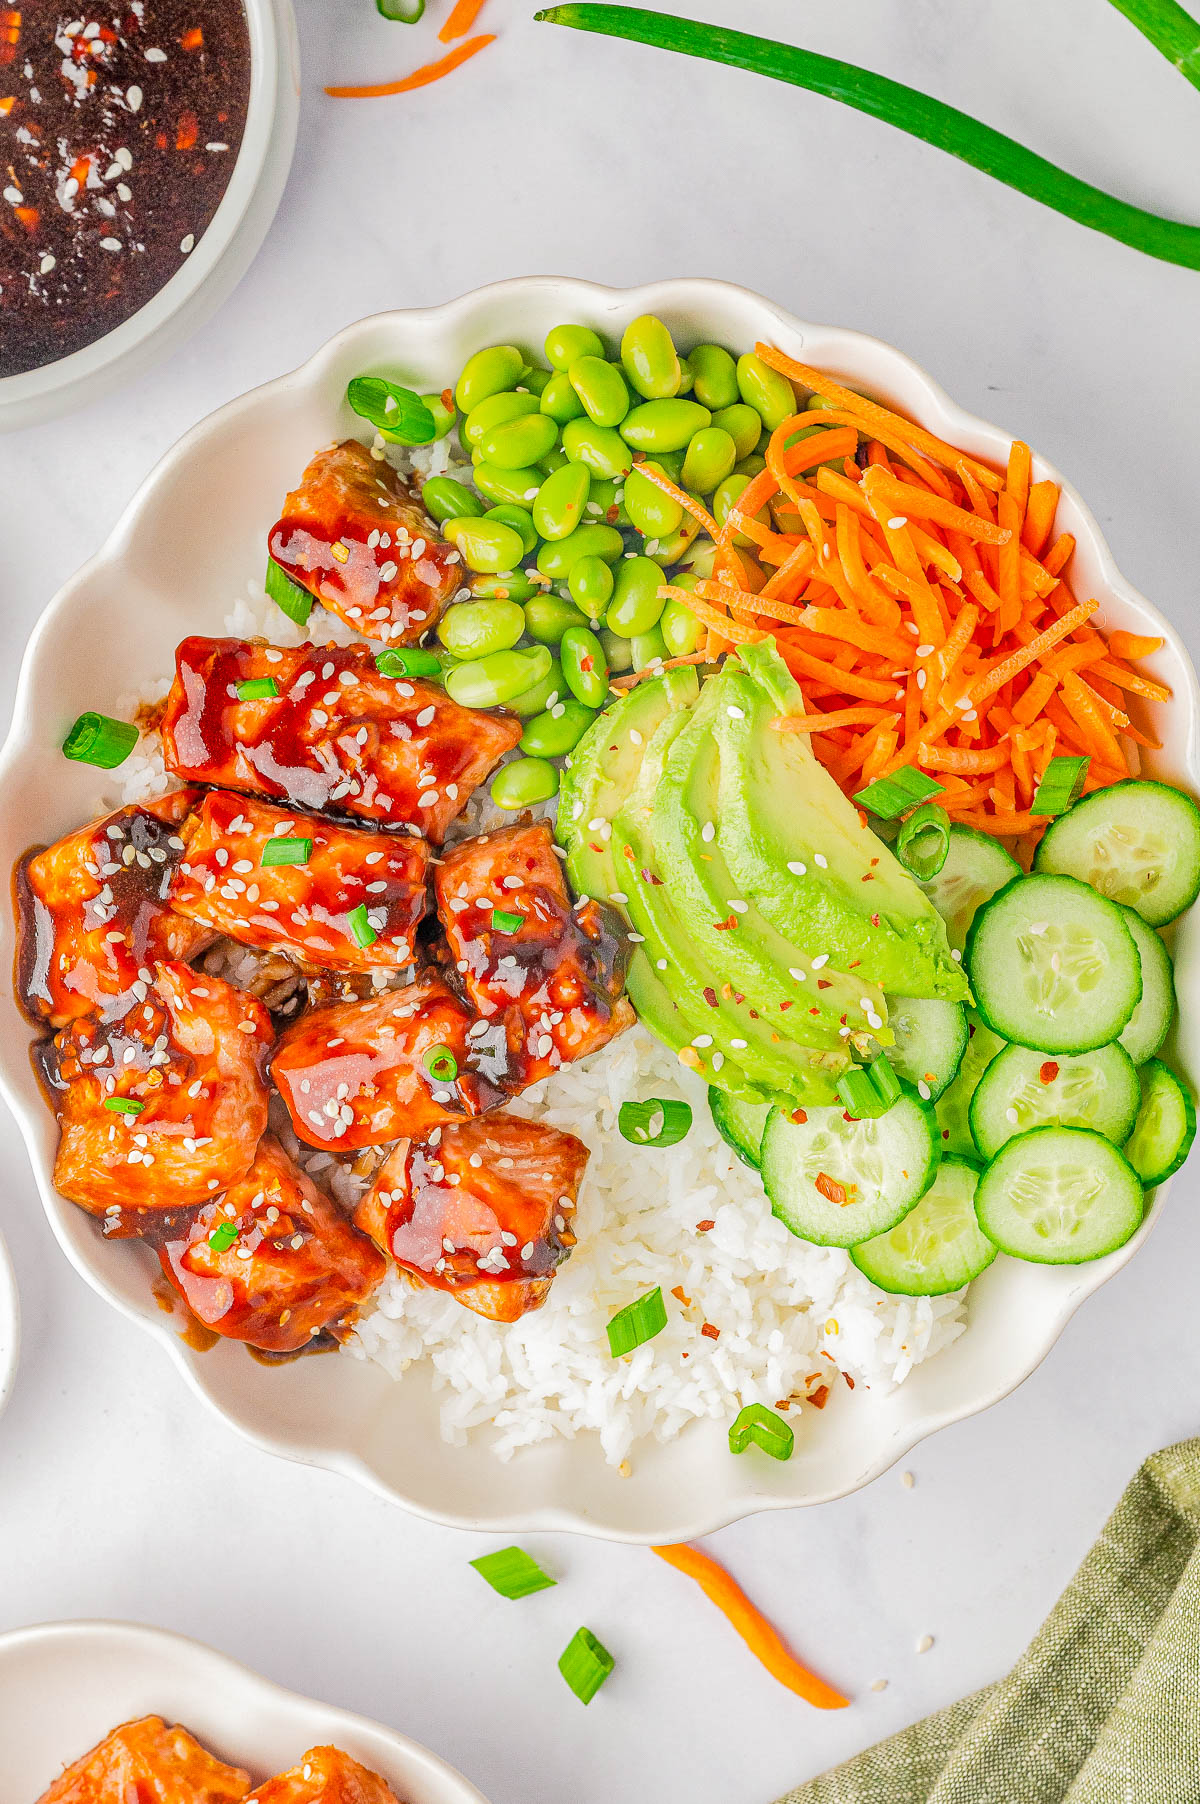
pixel 326 1776
pixel 354 1074
pixel 339 735
pixel 92 914
pixel 482 1210
pixel 355 536
pixel 193 1052
pixel 296 1269
pixel 145 1760
pixel 304 910
pixel 555 981
pixel 118 140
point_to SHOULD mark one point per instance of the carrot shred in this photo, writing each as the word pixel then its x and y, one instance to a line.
pixel 1059 554
pixel 1040 510
pixel 420 78
pixel 733 630
pixel 827 723
pixel 460 20
pixel 1133 645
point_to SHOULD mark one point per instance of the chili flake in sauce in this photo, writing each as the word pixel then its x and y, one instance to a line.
pixel 119 129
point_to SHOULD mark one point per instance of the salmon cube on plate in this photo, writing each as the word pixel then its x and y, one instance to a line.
pixel 326 1776
pixel 149 1761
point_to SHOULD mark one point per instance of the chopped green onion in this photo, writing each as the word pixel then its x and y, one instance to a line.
pixel 396 412
pixel 868 1091
pixel 637 1322
pixel 441 1064
pixel 1061 785
pixel 258 689
pixel 585 1664
pixel 410 660
pixel 502 922
pixel 286 594
pixel 661 1121
pixel 406 12
pixel 924 841
pixel 223 1236
pixel 889 797
pixel 761 1425
pixel 124 1105
pixel 361 930
pixel 513 1572
pixel 884 1081
pixel 99 739
pixel 287 851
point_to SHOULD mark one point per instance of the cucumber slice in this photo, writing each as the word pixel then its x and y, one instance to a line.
pixel 975 868
pixel 1137 842
pixel 1150 1021
pixel 1022 1090
pixel 739 1123
pixel 954 1104
pixel 1059 1196
pixel 882 1166
pixel 1053 965
pixel 939 1245
pixel 931 1037
pixel 1166 1125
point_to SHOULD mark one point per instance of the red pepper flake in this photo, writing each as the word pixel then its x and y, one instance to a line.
pixel 754 1014
pixel 784 1403
pixel 738 997
pixel 193 39
pixel 1049 1071
pixel 820 1396
pixel 814 1011
pixel 587 663
pixel 704 1227
pixel 187 132
pixel 612 515
pixel 945 1133
pixel 448 399
pixel 854 964
pixel 30 218
pixel 683 1298
pixel 849 1381
pixel 7 105
pixel 868 877
pixel 824 983
pixel 784 1006
pixel 710 996
pixel 726 926
pixel 800 1116
pixel 831 1190
pixel 874 920
pixel 709 1332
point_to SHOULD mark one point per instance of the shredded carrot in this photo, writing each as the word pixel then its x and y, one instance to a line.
pixel 462 16
pixel 760 1637
pixel 828 723
pixel 420 78
pixel 732 630
pixel 1040 510
pixel 1133 645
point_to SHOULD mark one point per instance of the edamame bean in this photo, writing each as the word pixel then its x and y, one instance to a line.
pixel 487 545
pixel 635 606
pixel 497 410
pixel 591 540
pixel 521 521
pixel 541 695
pixel 558 731
pixel 491 682
pixel 647 648
pixel 476 629
pixel 489 372
pixel 716 376
pixel 701 559
pixel 670 550
pixel 561 500
pixel 559 399
pixel 555 461
pixel 687 379
pixel 743 426
pixel 650 359
pixel 601 388
pixel 442 408
pixel 515 488
pixel 601 448
pixel 764 389
pixel 607 502
pixel 819 404
pixel 750 466
pixel 547 617
pixel 710 458
pixel 584 666
pixel 663 425
pixel 524 782
pixel 617 649
pixel 653 514
pixel 727 497
pixel 565 343
pixel 445 499
pixel 536 380
pixel 519 443
pixel 681 631
pixel 513 585
pixel 590 581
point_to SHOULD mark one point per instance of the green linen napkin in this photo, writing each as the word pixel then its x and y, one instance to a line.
pixel 1102 1708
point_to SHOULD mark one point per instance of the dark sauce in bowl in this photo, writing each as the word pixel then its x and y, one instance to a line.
pixel 119 129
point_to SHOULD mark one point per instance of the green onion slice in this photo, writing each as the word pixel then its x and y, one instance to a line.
pixel 890 797
pixel 258 689
pixel 361 930
pixel 503 922
pixel 868 1091
pixel 287 851
pixel 513 1572
pixel 396 412
pixel 761 1425
pixel 924 841
pixel 406 12
pixel 660 1121
pixel 637 1322
pixel 223 1236
pixel 1061 785
pixel 585 1664
pixel 99 739
pixel 441 1064
pixel 286 594
pixel 410 660
pixel 124 1105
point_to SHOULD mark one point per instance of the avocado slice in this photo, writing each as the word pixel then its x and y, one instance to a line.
pixel 779 808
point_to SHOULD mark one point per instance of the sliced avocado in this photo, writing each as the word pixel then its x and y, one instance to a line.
pixel 798 849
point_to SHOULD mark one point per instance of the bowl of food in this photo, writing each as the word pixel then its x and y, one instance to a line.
pixel 666 965
pixel 146 151
pixel 89 1706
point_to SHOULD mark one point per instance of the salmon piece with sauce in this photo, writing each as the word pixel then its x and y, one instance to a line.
pixel 483 1211
pixel 326 894
pixel 326 1776
pixel 357 538
pixel 150 1760
pixel 320 728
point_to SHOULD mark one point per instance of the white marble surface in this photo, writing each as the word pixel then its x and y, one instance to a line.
pixel 119 1495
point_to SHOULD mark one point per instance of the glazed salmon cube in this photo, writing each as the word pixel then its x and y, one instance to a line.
pixel 147 1760
pixel 326 1776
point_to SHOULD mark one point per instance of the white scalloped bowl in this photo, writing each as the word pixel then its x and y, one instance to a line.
pixel 187 543
pixel 65 1685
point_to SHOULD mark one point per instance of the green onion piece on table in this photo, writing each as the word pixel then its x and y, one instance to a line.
pixel 513 1572
pixel 361 930
pixel 258 689
pixel 124 1105
pixel 409 661
pixel 287 851
pixel 1061 785
pixel 889 797
pixel 503 922
pixel 761 1425
pixel 404 12
pixel 223 1236
pixel 585 1664
pixel 295 602
pixel 660 1121
pixel 924 841
pixel 99 739
pixel 396 412
pixel 638 1322
pixel 441 1064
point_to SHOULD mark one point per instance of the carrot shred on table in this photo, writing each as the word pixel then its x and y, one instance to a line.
pixel 420 78
pixel 764 1641
pixel 460 20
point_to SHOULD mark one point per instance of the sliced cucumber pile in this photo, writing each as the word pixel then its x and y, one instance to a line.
pixel 1150 1021
pixel 740 1124
pixel 938 1247
pixel 1136 842
pixel 836 1181
pixel 1022 1089
pixel 954 1105
pixel 1165 1127
pixel 931 1037
pixel 1059 1196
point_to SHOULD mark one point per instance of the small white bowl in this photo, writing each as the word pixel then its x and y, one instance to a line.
pixel 184 548
pixel 220 259
pixel 65 1685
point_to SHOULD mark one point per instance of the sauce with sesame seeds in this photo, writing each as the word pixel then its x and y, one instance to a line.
pixel 119 129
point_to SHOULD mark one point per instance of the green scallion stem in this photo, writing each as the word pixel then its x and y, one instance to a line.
pixel 223 1236
pixel 760 1425
pixel 639 1321
pixel 100 740
pixel 409 660
pixel 295 602
pixel 660 1121
pixel 359 923
pixel 441 1064
pixel 585 1663
pixel 924 841
pixel 1061 785
pixel 504 922
pixel 890 797
pixel 286 850
pixel 258 689
pixel 513 1572
pixel 124 1105
pixel 1170 29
